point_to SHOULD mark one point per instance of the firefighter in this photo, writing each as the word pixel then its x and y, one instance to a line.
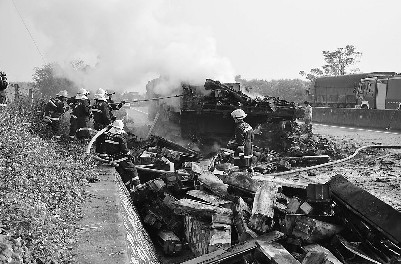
pixel 243 138
pixel 3 87
pixel 101 117
pixel 53 111
pixel 113 106
pixel 80 115
pixel 308 117
pixel 115 145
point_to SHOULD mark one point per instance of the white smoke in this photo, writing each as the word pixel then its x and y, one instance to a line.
pixel 126 42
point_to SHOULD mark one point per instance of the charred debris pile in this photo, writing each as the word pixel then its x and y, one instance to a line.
pixel 203 111
pixel 205 210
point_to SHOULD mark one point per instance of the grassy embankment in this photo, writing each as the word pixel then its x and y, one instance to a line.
pixel 42 187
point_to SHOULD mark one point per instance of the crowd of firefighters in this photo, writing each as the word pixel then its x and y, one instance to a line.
pixel 111 144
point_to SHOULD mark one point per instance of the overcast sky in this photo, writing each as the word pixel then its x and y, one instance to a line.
pixel 130 41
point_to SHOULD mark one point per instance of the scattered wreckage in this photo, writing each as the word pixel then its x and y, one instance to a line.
pixel 203 111
pixel 205 210
pixel 202 209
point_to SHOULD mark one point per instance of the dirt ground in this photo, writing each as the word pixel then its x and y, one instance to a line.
pixel 378 171
pixel 101 236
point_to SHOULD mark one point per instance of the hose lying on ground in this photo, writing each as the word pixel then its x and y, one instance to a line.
pixel 331 162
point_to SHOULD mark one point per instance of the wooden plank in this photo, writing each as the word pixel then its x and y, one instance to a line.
pixel 209 198
pixel 330 258
pixel 275 253
pixel 238 250
pixel 240 223
pixel 220 237
pixel 312 230
pixel 170 243
pixel 380 215
pixel 314 258
pixel 262 209
pixel 197 234
pixel 188 206
pixel 214 184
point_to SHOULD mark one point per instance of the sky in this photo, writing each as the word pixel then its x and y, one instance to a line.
pixel 129 42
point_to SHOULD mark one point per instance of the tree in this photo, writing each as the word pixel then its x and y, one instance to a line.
pixel 339 60
pixel 47 82
pixel 337 63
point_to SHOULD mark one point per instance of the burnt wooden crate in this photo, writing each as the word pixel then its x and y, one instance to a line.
pixel 169 242
pixel 204 237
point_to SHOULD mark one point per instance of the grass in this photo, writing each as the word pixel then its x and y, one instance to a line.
pixel 42 185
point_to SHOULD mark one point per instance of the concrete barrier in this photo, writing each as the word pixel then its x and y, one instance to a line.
pixel 368 118
pixel 140 248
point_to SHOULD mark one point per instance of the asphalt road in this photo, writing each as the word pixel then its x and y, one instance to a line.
pixel 363 136
pixel 378 171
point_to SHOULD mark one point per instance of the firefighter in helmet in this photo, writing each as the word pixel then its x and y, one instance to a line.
pixel 80 115
pixel 242 142
pixel 102 117
pixel 53 111
pixel 115 145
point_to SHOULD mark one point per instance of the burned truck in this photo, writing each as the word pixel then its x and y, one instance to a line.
pixel 203 112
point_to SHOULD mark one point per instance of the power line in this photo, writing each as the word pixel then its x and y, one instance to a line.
pixel 29 32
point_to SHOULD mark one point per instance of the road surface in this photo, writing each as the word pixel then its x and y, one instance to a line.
pixel 377 171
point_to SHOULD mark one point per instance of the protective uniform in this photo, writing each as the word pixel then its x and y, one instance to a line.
pixel 101 111
pixel 115 146
pixel 101 117
pixel 53 111
pixel 243 138
pixel 80 115
pixel 112 105
pixel 308 116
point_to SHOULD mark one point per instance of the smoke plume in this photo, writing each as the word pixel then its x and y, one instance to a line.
pixel 126 43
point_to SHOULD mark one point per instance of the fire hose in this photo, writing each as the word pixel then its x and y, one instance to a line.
pixel 88 148
pixel 155 98
pixel 333 162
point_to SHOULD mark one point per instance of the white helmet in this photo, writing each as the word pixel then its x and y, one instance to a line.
pixel 62 93
pixel 100 91
pixel 101 97
pixel 238 114
pixel 119 124
pixel 83 91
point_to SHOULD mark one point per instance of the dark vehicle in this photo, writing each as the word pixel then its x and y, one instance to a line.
pixel 366 90
pixel 204 112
